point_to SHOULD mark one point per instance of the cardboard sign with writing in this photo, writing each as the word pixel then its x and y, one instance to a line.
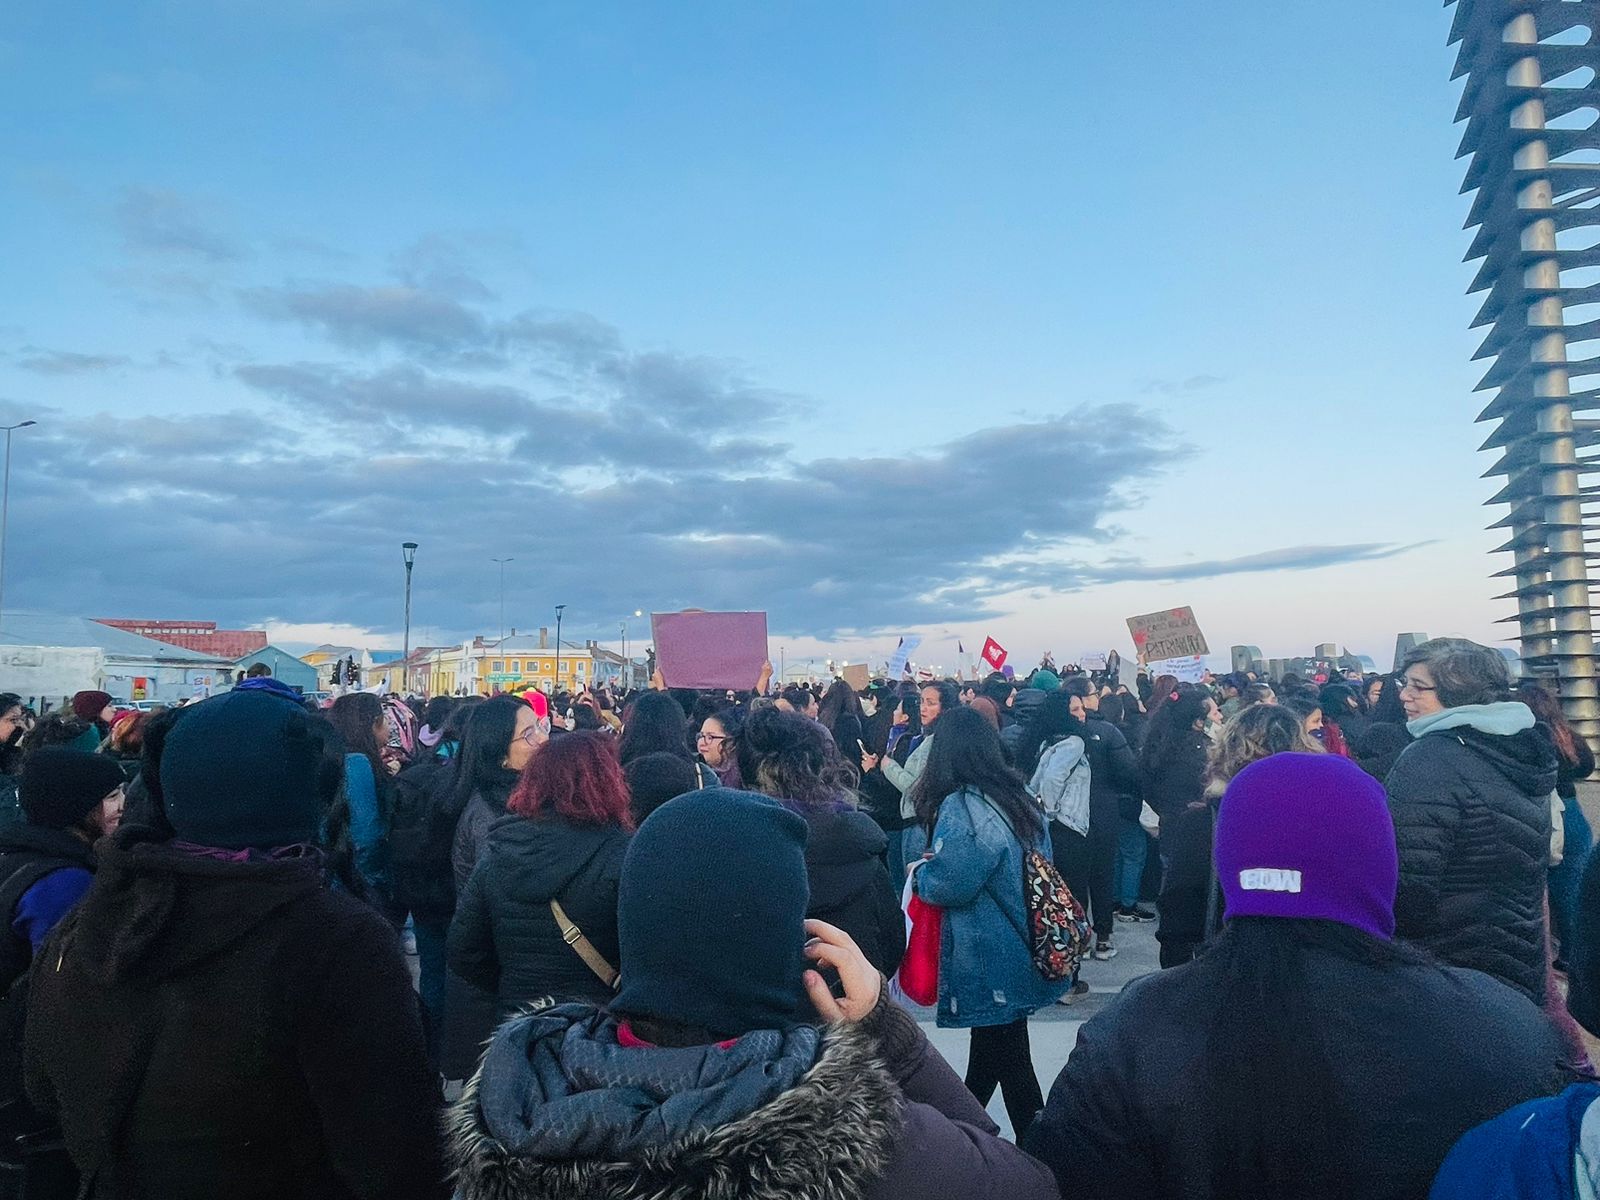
pixel 710 649
pixel 1191 669
pixel 856 675
pixel 1173 633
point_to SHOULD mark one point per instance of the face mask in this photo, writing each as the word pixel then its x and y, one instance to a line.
pixel 869 706
pixel 1214 730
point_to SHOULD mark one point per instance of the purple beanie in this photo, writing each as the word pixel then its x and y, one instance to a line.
pixel 1308 835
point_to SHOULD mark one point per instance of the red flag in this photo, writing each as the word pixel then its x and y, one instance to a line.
pixel 993 653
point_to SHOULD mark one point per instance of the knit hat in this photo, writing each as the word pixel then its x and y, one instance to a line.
pixel 61 786
pixel 1308 835
pixel 1046 681
pixel 711 912
pixel 653 779
pixel 240 771
pixel 89 705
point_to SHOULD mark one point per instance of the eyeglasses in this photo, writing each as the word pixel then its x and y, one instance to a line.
pixel 1411 685
pixel 531 734
pixel 710 737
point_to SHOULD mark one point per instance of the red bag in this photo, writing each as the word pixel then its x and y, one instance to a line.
pixel 919 969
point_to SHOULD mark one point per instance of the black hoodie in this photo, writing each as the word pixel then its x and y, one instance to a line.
pixel 504 937
pixel 206 1028
pixel 1472 823
pixel 850 885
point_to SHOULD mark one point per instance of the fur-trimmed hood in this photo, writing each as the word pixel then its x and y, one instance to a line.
pixel 649 1129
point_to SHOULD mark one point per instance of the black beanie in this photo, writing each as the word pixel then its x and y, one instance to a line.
pixel 653 779
pixel 240 771
pixel 711 915
pixel 61 786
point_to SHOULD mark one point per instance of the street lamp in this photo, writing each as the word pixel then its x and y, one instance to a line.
pixel 408 551
pixel 5 504
pixel 560 608
pixel 502 562
pixel 627 665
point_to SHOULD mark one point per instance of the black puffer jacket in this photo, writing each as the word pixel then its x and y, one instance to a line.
pixel 487 805
pixel 504 937
pixel 1472 822
pixel 850 885
pixel 1113 776
pixel 1175 779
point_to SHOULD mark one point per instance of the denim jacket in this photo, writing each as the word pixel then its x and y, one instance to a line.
pixel 986 971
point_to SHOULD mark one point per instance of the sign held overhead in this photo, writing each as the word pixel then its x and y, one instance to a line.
pixel 1172 633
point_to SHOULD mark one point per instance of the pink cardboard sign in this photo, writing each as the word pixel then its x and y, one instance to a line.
pixel 710 649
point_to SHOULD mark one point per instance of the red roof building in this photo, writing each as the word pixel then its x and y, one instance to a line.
pixel 202 636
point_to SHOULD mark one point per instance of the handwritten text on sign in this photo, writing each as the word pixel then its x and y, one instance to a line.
pixel 1172 633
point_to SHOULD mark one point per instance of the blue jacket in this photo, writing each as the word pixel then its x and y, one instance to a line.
pixel 1544 1148
pixel 986 971
pixel 369 834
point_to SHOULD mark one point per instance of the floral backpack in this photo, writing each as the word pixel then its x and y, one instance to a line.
pixel 1059 933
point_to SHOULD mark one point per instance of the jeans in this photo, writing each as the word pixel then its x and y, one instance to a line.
pixel 1564 879
pixel 1132 846
pixel 431 940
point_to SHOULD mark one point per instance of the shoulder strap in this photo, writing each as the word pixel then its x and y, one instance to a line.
pixel 592 958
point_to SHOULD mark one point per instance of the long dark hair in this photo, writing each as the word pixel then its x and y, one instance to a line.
pixel 1172 723
pixel 839 699
pixel 353 716
pixel 966 752
pixel 655 725
pixel 1050 720
pixel 1388 710
pixel 1544 705
pixel 793 759
pixel 480 763
pixel 1273 1111
pixel 11 749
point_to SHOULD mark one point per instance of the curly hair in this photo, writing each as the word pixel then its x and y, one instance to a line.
pixel 794 760
pixel 1256 732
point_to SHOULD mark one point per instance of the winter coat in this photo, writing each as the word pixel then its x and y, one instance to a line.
pixel 904 776
pixel 1568 773
pixel 369 824
pixel 1177 778
pixel 422 831
pixel 879 797
pixel 1061 782
pixel 43 872
pixel 847 731
pixel 505 939
pixel 486 806
pixel 1380 748
pixel 213 1028
pixel 986 971
pixel 850 885
pixel 864 1111
pixel 1472 822
pixel 1114 790
pixel 1543 1150
pixel 1583 955
pixel 1190 904
pixel 1419 1053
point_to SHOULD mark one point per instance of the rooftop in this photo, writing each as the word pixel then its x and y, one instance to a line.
pixel 50 629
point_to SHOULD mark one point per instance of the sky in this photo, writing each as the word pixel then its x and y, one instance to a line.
pixel 956 319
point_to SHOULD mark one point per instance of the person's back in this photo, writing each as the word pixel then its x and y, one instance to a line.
pixel 850 886
pixel 217 1021
pixel 1306 1053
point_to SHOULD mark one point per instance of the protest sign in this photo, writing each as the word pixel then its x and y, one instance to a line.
pixel 993 653
pixel 856 675
pixel 1190 669
pixel 897 660
pixel 710 649
pixel 1172 633
pixel 1092 662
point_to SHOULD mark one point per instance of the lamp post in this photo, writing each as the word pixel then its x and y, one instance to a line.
pixel 560 608
pixel 627 665
pixel 408 551
pixel 502 562
pixel 5 505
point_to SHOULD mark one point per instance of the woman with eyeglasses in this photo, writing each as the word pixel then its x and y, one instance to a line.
pixel 1471 805
pixel 657 724
pixel 718 746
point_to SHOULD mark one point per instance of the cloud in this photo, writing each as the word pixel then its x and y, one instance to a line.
pixel 1289 558
pixel 364 318
pixel 1175 387
pixel 68 362
pixel 159 222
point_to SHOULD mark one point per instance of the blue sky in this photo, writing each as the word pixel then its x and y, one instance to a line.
pixel 1009 319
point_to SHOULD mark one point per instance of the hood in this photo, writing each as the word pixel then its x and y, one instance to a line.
pixel 154 912
pixel 1503 718
pixel 560 1109
pixel 48 843
pixel 1527 760
pixel 538 856
pixel 844 857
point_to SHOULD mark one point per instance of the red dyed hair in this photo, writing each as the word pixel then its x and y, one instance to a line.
pixel 576 776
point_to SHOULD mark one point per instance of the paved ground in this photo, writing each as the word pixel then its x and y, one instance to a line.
pixel 1053 1032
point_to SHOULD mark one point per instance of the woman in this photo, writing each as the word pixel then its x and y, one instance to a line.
pixel 1284 1060
pixel 364 726
pixel 1172 764
pixel 1574 761
pixel 892 734
pixel 1341 708
pixel 13 728
pixel 934 700
pixel 841 715
pixel 219 955
pixel 125 746
pixel 1133 843
pixel 539 915
pixel 980 822
pixel 718 746
pixel 657 724
pixel 1313 721
pixel 793 760
pixel 726 1066
pixel 1190 904
pixel 1471 804
pixel 1053 755
pixel 500 740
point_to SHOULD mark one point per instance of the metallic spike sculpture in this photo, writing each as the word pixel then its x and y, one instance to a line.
pixel 1537 186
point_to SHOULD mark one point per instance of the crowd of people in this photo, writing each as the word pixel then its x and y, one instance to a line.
pixel 659 935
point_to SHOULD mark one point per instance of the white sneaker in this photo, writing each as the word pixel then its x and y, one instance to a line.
pixel 1104 950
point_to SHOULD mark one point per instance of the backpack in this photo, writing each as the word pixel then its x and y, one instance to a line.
pixel 421 830
pixel 1059 932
